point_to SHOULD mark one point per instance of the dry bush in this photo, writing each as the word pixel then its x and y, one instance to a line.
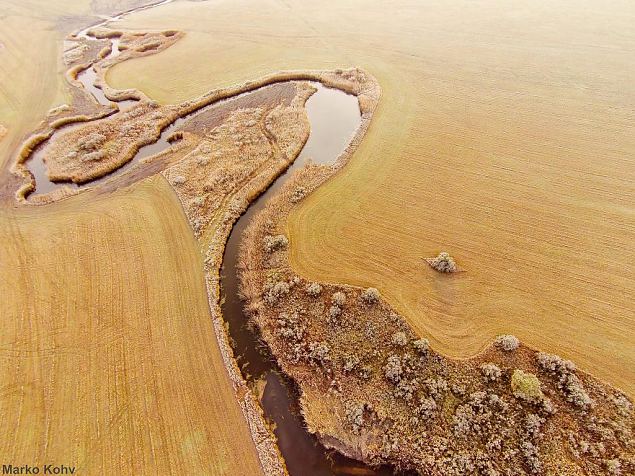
pixel 370 296
pixel 491 372
pixel 393 369
pixel 178 180
pixel 443 263
pixel 338 299
pixel 399 339
pixel 319 352
pixel 421 346
pixel 274 243
pixel 507 343
pixel 273 292
pixel 313 289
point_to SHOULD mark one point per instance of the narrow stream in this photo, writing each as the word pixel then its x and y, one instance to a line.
pixel 87 78
pixel 334 117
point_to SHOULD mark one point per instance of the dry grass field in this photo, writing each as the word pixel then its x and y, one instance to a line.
pixel 504 136
pixel 108 356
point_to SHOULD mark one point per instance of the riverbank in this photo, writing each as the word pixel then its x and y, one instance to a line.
pixel 373 388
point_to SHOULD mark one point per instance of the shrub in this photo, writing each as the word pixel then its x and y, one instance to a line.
pixel 202 161
pixel 351 361
pixel 421 345
pixel 533 423
pixel 491 371
pixel 530 455
pixel 355 415
pixel 406 389
pixel 338 299
pixel 507 343
pixel 319 352
pixel 458 389
pixel 178 180
pixel 399 339
pixel 290 326
pixel 475 415
pixel 393 369
pixel 575 392
pixel 526 386
pixel 298 194
pixel 370 296
pixel 334 313
pixel 273 293
pixel 313 289
pixel 426 409
pixel 274 243
pixel 94 156
pixel 623 404
pixel 443 263
pixel 613 466
pixel 198 202
pixel 437 387
pixel 92 141
pixel 365 372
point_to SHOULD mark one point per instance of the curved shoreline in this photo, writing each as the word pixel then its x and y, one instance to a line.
pixel 312 378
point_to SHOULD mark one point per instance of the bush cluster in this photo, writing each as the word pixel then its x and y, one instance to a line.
pixel 568 381
pixel 338 299
pixel 290 326
pixel 319 352
pixel 370 296
pixel 507 342
pixel 274 243
pixel 273 292
pixel 443 263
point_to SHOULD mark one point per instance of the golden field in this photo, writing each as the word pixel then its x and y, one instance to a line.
pixel 109 358
pixel 109 361
pixel 504 136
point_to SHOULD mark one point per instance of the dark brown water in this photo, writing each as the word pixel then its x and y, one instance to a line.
pixel 334 117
